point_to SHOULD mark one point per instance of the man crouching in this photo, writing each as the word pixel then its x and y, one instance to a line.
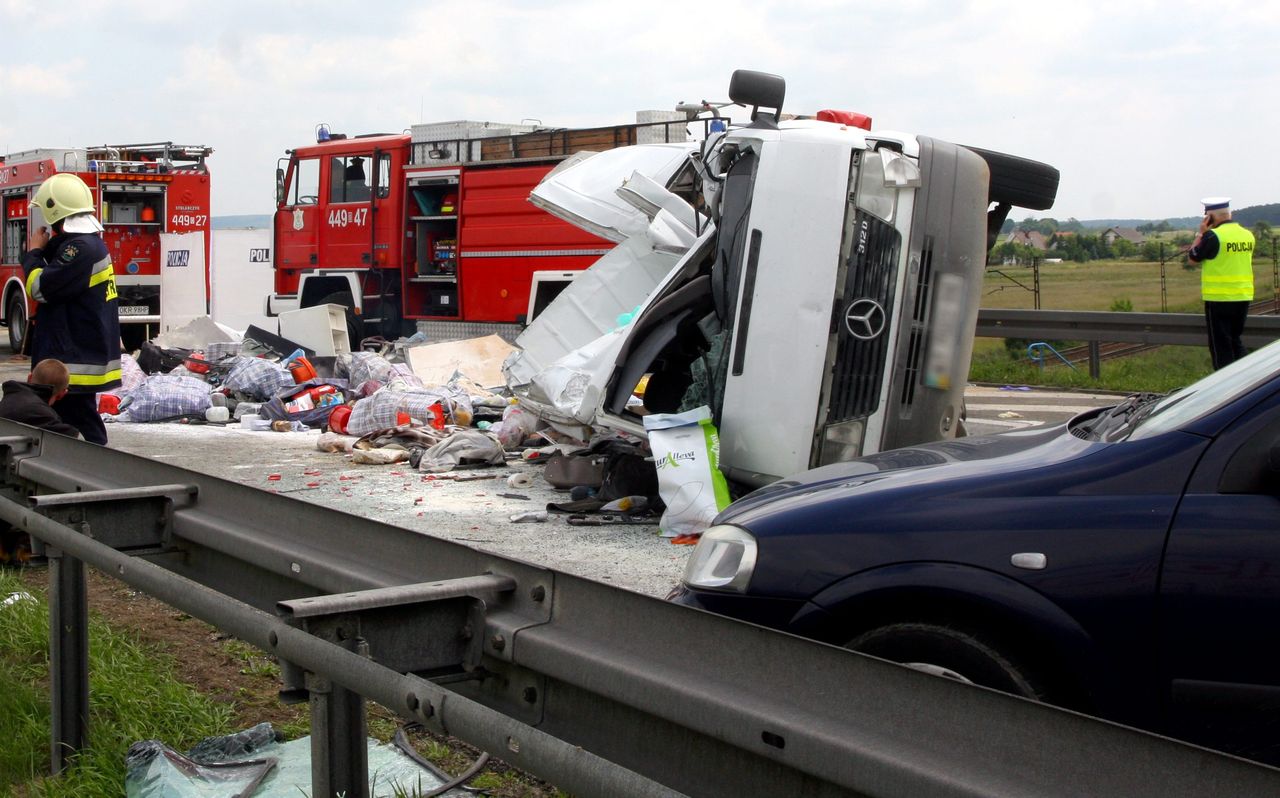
pixel 29 402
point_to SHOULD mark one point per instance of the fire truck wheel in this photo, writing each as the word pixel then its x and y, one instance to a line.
pixel 1020 181
pixel 355 327
pixel 16 314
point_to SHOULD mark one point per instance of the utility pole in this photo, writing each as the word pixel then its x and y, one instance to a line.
pixel 1164 287
pixel 1035 272
pixel 1275 277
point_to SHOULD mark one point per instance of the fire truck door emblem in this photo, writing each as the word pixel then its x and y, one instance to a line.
pixel 864 319
pixel 297 218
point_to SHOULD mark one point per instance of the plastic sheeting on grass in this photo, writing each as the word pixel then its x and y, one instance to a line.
pixel 252 763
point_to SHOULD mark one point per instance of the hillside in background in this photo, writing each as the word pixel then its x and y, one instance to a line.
pixel 261 220
pixel 1246 216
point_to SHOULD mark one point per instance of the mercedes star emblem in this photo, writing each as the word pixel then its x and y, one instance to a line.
pixel 864 319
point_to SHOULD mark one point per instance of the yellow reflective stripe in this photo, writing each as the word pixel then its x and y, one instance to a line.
pixel 101 275
pixel 33 284
pixel 95 379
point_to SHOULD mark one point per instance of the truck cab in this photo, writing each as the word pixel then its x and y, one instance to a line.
pixel 827 311
pixel 338 223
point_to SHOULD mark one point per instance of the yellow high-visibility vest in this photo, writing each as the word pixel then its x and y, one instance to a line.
pixel 1228 277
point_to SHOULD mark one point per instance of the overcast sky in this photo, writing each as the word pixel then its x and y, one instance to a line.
pixel 1145 107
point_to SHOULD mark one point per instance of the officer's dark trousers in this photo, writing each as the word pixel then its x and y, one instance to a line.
pixel 80 410
pixel 1225 321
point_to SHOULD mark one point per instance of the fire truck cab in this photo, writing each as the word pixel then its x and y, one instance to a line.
pixel 143 193
pixel 433 230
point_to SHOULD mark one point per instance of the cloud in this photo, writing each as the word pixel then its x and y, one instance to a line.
pixel 1124 98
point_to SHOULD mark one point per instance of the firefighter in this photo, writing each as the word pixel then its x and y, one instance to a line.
pixel 1226 281
pixel 69 274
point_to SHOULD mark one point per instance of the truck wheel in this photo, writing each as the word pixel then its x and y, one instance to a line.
pixel 947 651
pixel 1020 181
pixel 16 313
pixel 355 326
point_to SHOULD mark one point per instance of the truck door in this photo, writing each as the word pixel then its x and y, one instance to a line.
pixel 1220 593
pixel 348 218
pixel 297 223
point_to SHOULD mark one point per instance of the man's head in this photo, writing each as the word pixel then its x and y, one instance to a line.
pixel 1217 208
pixel 65 200
pixel 52 373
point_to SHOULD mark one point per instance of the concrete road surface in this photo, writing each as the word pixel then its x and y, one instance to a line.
pixel 474 512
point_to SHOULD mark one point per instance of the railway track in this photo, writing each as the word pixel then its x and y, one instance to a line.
pixel 1111 351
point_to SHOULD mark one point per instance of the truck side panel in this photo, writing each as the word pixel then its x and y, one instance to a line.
pixel 503 239
pixel 940 297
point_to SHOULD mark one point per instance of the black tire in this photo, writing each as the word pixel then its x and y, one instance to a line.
pixel 16 317
pixel 949 651
pixel 355 326
pixel 1020 181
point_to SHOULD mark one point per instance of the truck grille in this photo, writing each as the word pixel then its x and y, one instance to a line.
pixel 871 273
pixel 915 346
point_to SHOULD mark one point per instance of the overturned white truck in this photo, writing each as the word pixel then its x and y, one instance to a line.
pixel 814 283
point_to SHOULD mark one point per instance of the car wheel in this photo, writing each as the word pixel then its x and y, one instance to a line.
pixel 950 652
pixel 1020 181
pixel 355 326
pixel 16 314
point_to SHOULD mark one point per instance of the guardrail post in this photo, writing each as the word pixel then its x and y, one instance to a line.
pixel 68 657
pixel 339 747
pixel 1095 360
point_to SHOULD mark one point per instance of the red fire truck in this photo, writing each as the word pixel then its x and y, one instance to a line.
pixel 142 192
pixel 433 230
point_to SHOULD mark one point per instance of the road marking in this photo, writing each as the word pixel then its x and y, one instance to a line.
pixel 974 422
pixel 1027 407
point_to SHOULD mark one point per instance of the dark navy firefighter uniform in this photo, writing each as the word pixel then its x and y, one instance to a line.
pixel 77 322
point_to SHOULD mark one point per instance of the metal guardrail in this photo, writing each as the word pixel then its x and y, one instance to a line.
pixel 597 689
pixel 1184 329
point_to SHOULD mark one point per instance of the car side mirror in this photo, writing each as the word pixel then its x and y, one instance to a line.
pixel 279 186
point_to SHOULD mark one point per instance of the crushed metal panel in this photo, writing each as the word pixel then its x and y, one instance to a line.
pixel 584 194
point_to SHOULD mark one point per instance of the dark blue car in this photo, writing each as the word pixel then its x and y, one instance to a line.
pixel 1125 564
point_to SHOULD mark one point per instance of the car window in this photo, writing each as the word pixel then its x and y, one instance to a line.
pixel 1219 388
pixel 1249 469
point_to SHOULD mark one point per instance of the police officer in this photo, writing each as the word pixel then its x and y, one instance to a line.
pixel 1226 280
pixel 69 274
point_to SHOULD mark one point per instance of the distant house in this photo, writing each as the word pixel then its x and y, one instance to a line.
pixel 1060 237
pixel 1127 233
pixel 1028 238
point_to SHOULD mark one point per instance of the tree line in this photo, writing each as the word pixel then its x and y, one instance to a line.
pixel 1071 241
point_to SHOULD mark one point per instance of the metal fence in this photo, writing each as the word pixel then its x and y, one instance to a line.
pixel 599 690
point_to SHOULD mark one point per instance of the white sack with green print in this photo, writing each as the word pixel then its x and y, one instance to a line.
pixel 686 452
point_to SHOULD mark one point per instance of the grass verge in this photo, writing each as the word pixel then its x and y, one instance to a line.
pixel 1159 371
pixel 133 696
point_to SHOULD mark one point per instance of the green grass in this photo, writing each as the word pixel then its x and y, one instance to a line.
pixel 1102 285
pixel 133 696
pixel 1159 371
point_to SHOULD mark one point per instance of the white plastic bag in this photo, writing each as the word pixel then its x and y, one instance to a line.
pixel 686 452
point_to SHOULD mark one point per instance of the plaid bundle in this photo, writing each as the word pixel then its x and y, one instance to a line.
pixel 165 396
pixel 131 374
pixel 364 367
pixel 379 411
pixel 221 350
pixel 257 379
